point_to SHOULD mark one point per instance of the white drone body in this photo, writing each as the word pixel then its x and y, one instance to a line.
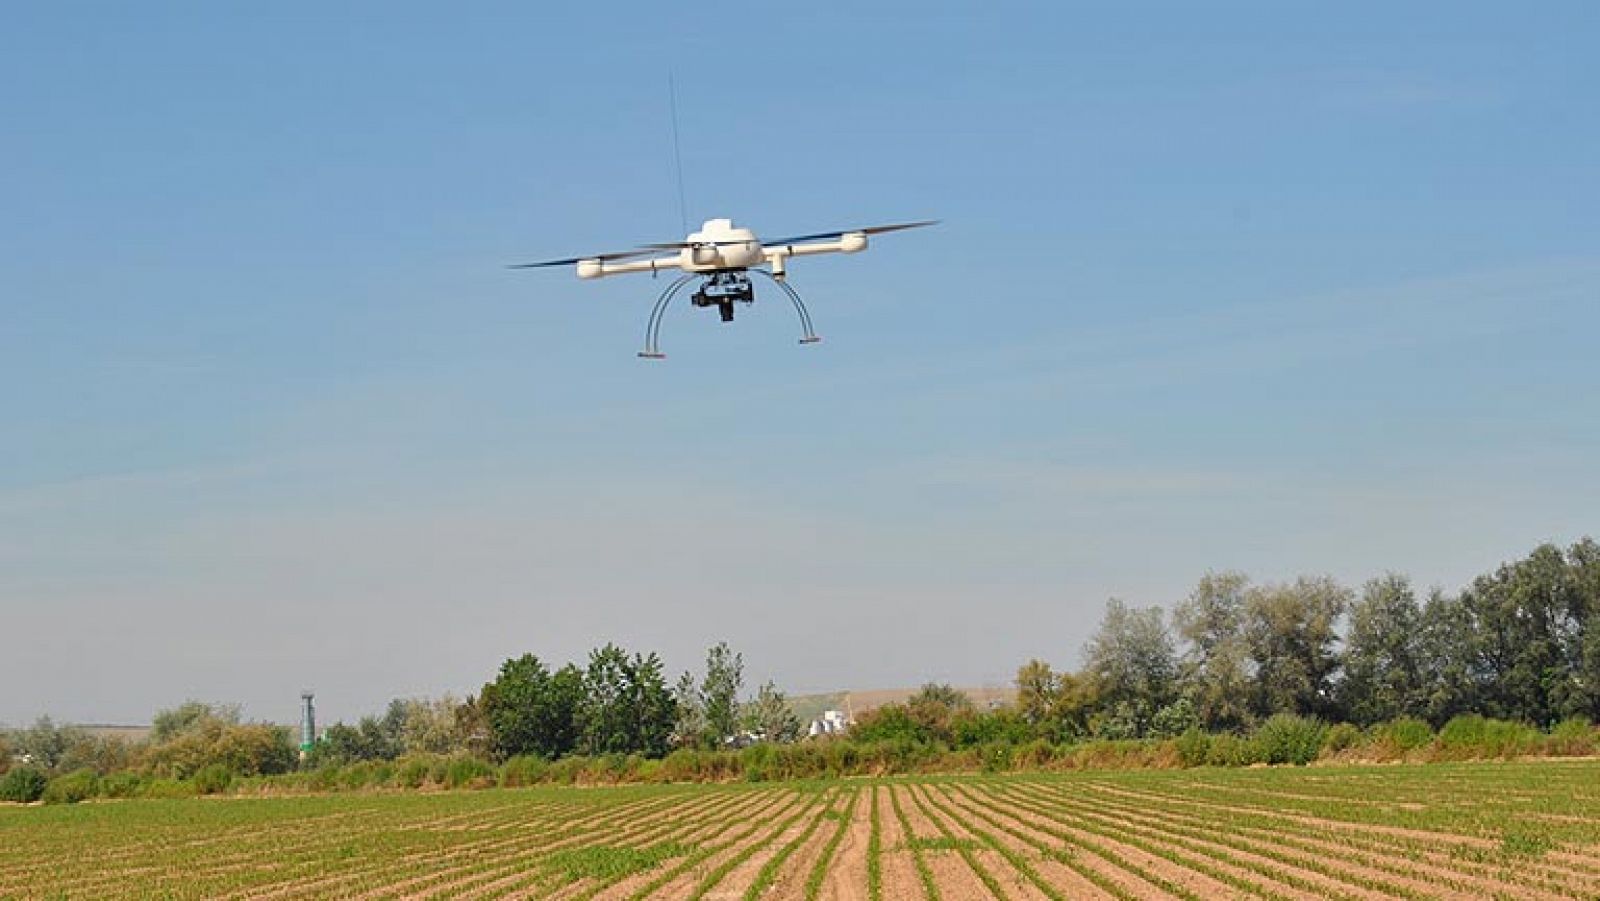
pixel 723 255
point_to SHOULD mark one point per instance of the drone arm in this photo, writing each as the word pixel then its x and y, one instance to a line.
pixel 601 268
pixel 849 242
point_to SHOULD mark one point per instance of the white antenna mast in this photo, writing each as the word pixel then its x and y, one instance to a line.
pixel 677 156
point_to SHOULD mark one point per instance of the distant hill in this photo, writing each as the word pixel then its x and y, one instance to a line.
pixel 855 703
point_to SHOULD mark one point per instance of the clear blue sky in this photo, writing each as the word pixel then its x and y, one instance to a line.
pixel 1283 287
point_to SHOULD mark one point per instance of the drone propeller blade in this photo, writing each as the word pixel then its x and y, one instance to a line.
pixel 602 257
pixel 682 245
pixel 872 230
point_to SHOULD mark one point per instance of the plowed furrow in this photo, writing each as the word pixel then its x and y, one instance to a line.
pixel 1321 880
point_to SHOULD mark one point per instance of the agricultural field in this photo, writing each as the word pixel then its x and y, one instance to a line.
pixel 1510 830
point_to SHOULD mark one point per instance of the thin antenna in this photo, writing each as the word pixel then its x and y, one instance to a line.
pixel 677 156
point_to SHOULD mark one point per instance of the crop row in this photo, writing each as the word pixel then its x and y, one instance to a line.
pixel 1526 830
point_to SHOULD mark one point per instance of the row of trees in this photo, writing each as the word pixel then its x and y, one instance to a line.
pixel 183 743
pixel 1521 643
pixel 617 703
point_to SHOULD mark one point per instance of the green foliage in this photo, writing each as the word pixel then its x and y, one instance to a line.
pixel 1215 669
pixel 166 788
pixel 469 772
pixel 770 717
pixel 122 785
pixel 1399 737
pixel 1573 737
pixel 1290 630
pixel 1194 747
pixel 1174 719
pixel 414 770
pixel 188 716
pixel 46 745
pixel 609 863
pixel 1003 726
pixel 23 784
pixel 1384 667
pixel 1526 843
pixel 626 706
pixel 433 726
pixel 248 749
pixel 212 779
pixel 524 769
pixel 1286 738
pixel 1472 736
pixel 1527 638
pixel 1227 749
pixel 1339 738
pixel 529 710
pixel 719 693
pixel 1134 666
pixel 372 738
pixel 79 785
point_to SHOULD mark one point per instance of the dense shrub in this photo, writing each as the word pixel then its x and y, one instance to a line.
pixel 971 729
pixel 1286 738
pixel 1340 737
pixel 996 756
pixel 1397 738
pixel 212 779
pixel 1571 738
pixel 1194 747
pixel 78 785
pixel 1471 736
pixel 1034 755
pixel 1227 749
pixel 468 772
pixel 523 769
pixel 166 788
pixel 24 784
pixel 246 750
pixel 414 770
pixel 121 785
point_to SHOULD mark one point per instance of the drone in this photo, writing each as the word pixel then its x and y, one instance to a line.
pixel 722 257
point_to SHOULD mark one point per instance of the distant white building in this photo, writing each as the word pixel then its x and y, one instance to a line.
pixel 832 722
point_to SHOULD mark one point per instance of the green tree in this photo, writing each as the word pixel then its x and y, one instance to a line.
pixel 1529 619
pixel 529 710
pixel 1215 671
pixel 245 749
pixel 46 744
pixel 1292 634
pixel 604 716
pixel 689 714
pixel 770 716
pixel 626 705
pixel 171 723
pixel 719 692
pixel 1384 676
pixel 1134 665
pixel 935 709
pixel 1446 659
pixel 655 709
pixel 1038 690
pixel 430 726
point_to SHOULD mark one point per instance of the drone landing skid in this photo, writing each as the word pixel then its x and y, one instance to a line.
pixel 721 289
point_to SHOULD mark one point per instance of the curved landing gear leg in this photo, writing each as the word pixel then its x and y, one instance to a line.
pixel 810 336
pixel 652 330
